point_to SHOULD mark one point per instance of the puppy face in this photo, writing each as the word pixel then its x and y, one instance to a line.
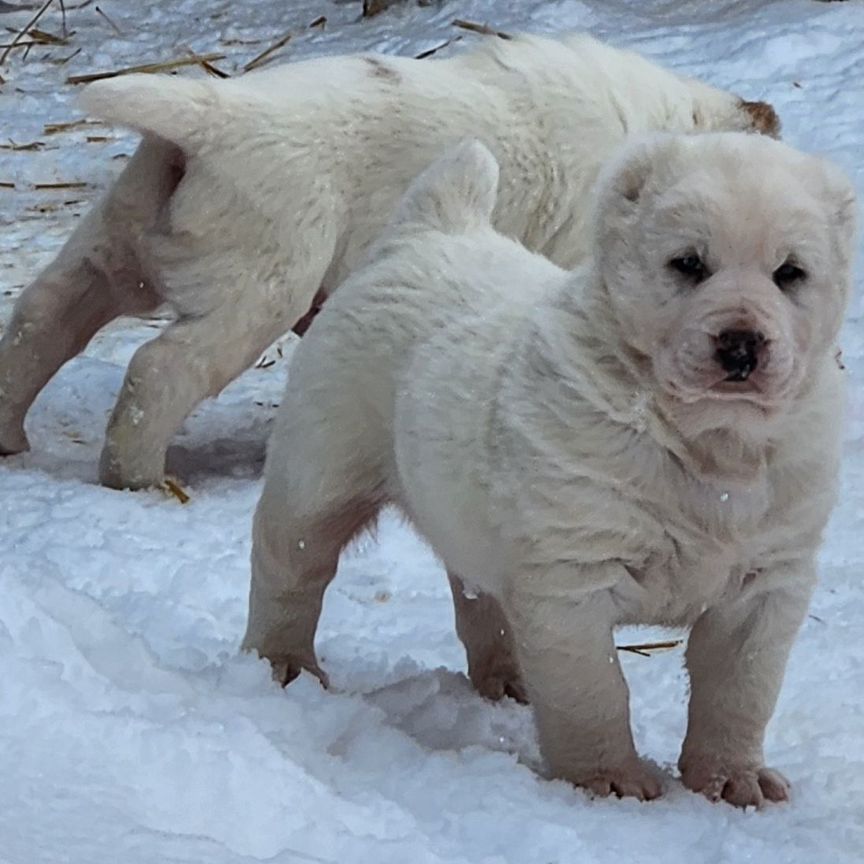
pixel 726 259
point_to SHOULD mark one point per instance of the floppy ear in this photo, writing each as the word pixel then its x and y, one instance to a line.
pixel 630 178
pixel 624 179
pixel 833 188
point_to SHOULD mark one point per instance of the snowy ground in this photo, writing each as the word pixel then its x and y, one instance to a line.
pixel 131 731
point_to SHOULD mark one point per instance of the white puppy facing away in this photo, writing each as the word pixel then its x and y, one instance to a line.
pixel 250 198
pixel 652 438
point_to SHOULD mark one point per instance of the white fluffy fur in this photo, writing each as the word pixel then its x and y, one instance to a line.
pixel 568 444
pixel 250 197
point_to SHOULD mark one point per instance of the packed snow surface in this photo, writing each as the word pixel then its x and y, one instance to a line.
pixel 130 728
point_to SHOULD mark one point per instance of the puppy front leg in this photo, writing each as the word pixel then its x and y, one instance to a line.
pixel 736 657
pixel 574 681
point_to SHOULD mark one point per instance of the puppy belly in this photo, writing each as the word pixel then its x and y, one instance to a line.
pixel 463 543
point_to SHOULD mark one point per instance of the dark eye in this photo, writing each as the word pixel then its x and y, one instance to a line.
pixel 690 266
pixel 787 275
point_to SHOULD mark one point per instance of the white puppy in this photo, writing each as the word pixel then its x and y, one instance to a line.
pixel 250 198
pixel 651 439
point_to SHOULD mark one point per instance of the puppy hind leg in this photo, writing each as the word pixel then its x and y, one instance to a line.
pixel 324 485
pixel 52 322
pixel 167 378
pixel 232 306
pixel 96 276
pixel 485 632
pixel 294 559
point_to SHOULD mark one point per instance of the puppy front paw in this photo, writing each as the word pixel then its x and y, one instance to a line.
pixel 629 781
pixel 742 785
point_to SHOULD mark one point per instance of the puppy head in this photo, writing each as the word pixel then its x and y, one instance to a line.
pixel 726 260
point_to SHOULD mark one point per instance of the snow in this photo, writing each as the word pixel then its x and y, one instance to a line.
pixel 130 728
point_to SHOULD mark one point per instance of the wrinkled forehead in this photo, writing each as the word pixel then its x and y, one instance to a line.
pixel 740 208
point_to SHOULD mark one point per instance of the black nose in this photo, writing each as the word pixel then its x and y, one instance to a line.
pixel 738 352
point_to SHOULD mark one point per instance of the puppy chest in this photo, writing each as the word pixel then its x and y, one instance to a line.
pixel 674 589
pixel 699 558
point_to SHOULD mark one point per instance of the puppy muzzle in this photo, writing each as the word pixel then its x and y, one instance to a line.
pixel 739 352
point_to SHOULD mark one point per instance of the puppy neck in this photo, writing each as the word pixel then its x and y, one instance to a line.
pixel 724 456
pixel 589 351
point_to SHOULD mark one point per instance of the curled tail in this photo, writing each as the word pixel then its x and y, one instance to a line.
pixel 454 194
pixel 180 110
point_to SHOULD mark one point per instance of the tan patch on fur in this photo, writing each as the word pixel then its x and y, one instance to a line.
pixel 379 69
pixel 765 119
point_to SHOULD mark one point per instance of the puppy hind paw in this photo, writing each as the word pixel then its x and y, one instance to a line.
pixel 114 475
pixel 496 687
pixel 12 441
pixel 496 678
pixel 285 668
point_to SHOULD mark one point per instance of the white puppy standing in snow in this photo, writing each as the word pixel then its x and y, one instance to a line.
pixel 650 439
pixel 250 197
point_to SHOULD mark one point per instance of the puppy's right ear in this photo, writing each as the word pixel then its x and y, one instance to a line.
pixel 455 193
pixel 624 178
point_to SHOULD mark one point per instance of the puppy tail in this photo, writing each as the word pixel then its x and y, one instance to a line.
pixel 454 194
pixel 177 109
